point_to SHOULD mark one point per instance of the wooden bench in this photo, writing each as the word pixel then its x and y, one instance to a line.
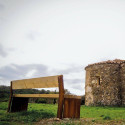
pixel 19 102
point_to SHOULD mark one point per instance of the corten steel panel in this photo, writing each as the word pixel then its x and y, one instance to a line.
pixel 43 82
pixel 61 98
pixel 77 108
pixel 10 98
pixel 72 96
pixel 71 108
pixel 19 104
pixel 66 108
pixel 37 95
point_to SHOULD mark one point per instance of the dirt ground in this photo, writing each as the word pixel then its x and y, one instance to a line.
pixel 88 121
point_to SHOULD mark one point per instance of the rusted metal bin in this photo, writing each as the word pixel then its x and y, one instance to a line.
pixel 71 106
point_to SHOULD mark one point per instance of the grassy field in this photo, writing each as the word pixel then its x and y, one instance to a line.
pixel 38 112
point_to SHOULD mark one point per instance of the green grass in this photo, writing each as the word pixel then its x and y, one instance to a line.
pixel 37 112
pixel 105 113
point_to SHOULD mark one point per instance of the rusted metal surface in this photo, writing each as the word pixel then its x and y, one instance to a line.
pixel 77 108
pixel 10 98
pixel 72 108
pixel 19 104
pixel 72 96
pixel 61 98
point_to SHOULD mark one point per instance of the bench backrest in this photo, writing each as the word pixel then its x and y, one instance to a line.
pixel 42 82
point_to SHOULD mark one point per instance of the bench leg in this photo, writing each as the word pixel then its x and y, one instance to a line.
pixel 19 104
pixel 61 98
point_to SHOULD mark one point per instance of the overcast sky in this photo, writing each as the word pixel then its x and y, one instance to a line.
pixel 51 37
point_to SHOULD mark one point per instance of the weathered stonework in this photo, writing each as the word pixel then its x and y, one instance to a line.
pixel 105 83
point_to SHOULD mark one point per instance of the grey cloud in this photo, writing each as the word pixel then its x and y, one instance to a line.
pixel 78 86
pixel 33 35
pixel 73 68
pixel 13 71
pixel 3 52
pixel 75 81
pixel 2 7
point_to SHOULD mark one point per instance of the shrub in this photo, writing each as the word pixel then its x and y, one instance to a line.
pixel 83 100
pixel 107 118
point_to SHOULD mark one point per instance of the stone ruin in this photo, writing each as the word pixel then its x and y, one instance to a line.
pixel 105 83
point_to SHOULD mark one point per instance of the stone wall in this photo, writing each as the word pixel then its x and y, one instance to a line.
pixel 123 83
pixel 103 84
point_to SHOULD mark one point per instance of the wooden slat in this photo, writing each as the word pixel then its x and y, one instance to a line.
pixel 72 96
pixel 43 82
pixel 37 95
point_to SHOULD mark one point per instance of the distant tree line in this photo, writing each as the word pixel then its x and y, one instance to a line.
pixel 5 93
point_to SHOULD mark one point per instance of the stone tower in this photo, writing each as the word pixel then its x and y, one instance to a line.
pixel 105 83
